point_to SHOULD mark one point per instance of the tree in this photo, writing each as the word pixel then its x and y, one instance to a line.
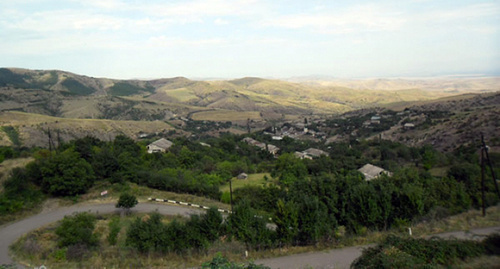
pixel 148 234
pixel 288 169
pixel 77 229
pixel 248 227
pixel 126 201
pixel 286 220
pixel 65 174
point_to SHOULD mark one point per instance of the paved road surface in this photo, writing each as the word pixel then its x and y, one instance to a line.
pixel 336 258
pixel 342 258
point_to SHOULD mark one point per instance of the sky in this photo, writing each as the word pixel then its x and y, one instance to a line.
pixel 264 38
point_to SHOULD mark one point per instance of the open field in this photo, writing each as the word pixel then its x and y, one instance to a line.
pixel 226 115
pixel 252 180
pixel 143 193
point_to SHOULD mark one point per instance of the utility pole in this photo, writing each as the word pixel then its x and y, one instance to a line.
pixel 51 143
pixel 482 182
pixel 485 156
pixel 231 193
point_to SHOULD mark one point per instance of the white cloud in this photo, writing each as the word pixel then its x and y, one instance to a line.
pixel 220 21
pixel 61 20
pixel 201 8
pixel 366 18
pixel 164 41
pixel 465 13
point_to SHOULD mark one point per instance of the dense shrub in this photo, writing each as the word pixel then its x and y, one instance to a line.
pixel 398 252
pixel 62 174
pixel 248 227
pixel 19 193
pixel 77 229
pixel 151 234
pixel 126 201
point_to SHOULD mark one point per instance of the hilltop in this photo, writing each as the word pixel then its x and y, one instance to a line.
pixel 68 95
pixel 77 105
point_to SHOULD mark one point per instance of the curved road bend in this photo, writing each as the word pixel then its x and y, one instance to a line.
pixel 11 232
pixel 342 258
pixel 335 258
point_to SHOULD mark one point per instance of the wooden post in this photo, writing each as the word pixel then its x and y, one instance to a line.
pixel 231 193
pixel 482 182
pixel 487 155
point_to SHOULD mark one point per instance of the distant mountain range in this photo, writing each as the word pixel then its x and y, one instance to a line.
pixel 74 97
pixel 63 94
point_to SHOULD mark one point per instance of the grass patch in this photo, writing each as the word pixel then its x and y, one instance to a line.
pixel 439 171
pixel 182 94
pixel 124 89
pixel 142 193
pixel 77 88
pixel 13 135
pixel 252 180
pixel 226 115
pixel 461 222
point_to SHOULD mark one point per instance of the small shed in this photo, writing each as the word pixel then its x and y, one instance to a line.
pixel 409 125
pixel 315 153
pixel 242 176
pixel 371 171
pixel 160 145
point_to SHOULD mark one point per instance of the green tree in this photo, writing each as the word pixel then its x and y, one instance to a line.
pixel 77 229
pixel 126 201
pixel 286 220
pixel 105 163
pixel 212 224
pixel 288 169
pixel 65 174
pixel 147 235
pixel 248 227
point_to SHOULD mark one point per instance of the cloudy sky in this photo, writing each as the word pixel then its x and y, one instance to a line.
pixel 266 38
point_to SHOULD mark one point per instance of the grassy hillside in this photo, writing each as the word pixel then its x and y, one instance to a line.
pixel 70 96
pixel 450 122
pixel 59 93
pixel 33 128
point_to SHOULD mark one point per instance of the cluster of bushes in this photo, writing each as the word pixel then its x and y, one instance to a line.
pixel 398 252
pixel 151 234
pixel 7 153
pixel 309 210
pixel 19 193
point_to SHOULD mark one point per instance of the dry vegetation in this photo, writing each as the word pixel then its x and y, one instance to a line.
pixel 33 127
pixel 7 166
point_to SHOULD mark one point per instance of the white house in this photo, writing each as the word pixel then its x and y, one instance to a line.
pixel 371 171
pixel 160 145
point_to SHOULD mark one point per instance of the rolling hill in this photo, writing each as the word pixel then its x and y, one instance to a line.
pixel 152 105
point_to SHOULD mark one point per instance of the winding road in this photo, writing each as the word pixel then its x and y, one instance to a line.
pixel 336 258
pixel 11 232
